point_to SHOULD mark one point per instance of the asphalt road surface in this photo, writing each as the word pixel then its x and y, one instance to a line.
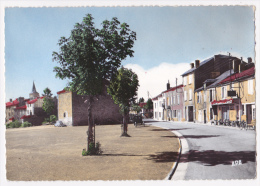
pixel 215 152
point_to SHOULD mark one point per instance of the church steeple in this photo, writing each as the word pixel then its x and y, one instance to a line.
pixel 34 94
pixel 34 89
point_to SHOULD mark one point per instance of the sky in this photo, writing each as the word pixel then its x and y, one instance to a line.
pixel 168 40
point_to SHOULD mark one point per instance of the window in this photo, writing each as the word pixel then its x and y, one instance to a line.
pixel 185 81
pixel 205 96
pixel 190 93
pixel 190 78
pixel 64 114
pixel 160 114
pixel 155 105
pixel 210 96
pixel 198 97
pixel 178 99
pixel 250 87
pixel 224 92
pixel 185 95
pixel 174 100
pixel 243 109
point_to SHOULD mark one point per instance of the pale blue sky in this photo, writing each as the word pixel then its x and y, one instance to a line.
pixel 164 34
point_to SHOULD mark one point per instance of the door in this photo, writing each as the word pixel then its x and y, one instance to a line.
pixel 205 117
pixel 248 114
pixel 190 113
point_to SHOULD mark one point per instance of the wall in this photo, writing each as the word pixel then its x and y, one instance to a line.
pixel 104 111
pixel 65 108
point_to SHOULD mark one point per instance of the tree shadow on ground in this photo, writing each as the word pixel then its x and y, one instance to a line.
pixel 208 158
pixel 169 129
pixel 193 136
pixel 121 154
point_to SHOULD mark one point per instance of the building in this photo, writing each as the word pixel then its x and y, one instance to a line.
pixel 174 104
pixel 235 96
pixel 158 107
pixel 168 105
pixel 199 72
pixel 28 109
pixel 73 109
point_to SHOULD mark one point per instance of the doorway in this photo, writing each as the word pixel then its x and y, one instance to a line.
pixel 205 117
pixel 248 114
pixel 190 112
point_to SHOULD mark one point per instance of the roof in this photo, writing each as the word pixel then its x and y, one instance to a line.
pixel 172 89
pixel 12 118
pixel 246 73
pixel 24 116
pixel 14 103
pixel 34 88
pixel 62 91
pixel 220 78
pixel 201 63
pixel 32 101
pixel 155 98
pixel 142 104
pixel 216 80
pixel 22 107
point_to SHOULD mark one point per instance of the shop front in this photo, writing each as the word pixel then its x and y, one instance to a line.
pixel 226 109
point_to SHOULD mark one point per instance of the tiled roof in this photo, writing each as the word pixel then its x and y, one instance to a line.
pixel 201 63
pixel 172 89
pixel 220 78
pixel 244 74
pixel 32 101
pixel 62 91
pixel 24 116
pixel 142 104
pixel 14 103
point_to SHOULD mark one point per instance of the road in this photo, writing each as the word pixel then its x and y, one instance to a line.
pixel 214 152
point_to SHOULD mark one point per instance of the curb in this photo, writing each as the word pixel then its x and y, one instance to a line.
pixel 175 165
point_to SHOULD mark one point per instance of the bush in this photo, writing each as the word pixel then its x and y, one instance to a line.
pixel 26 124
pixel 14 124
pixel 93 150
pixel 53 118
pixel 46 120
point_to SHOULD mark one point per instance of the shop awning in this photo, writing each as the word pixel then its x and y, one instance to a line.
pixel 221 102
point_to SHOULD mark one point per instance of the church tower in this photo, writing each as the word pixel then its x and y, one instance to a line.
pixel 34 94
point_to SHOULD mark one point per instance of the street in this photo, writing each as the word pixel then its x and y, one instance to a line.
pixel 214 152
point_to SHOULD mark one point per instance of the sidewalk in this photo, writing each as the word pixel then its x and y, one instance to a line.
pixel 52 153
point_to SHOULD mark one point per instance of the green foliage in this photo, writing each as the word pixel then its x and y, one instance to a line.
pixel 26 124
pixel 46 120
pixel 141 100
pixel 149 104
pixel 90 55
pixel 48 105
pixel 53 118
pixel 136 108
pixel 123 88
pixel 14 124
pixel 47 92
pixel 93 150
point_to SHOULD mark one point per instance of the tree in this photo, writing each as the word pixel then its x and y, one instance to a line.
pixel 149 106
pixel 90 56
pixel 122 89
pixel 141 100
pixel 136 108
pixel 47 92
pixel 48 103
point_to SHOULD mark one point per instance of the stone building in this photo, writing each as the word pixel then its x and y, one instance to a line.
pixel 73 109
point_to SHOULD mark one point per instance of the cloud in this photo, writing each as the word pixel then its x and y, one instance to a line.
pixel 154 80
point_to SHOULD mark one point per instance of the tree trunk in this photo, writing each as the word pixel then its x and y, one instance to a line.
pixel 90 125
pixel 125 126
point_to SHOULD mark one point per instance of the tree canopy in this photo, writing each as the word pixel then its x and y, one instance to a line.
pixel 47 92
pixel 149 104
pixel 91 55
pixel 122 89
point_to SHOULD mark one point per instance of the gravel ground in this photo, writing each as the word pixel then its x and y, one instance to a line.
pixel 54 153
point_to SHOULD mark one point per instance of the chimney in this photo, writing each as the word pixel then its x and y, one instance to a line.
pixel 168 85
pixel 249 60
pixel 192 65
pixel 11 100
pixel 197 63
pixel 241 67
